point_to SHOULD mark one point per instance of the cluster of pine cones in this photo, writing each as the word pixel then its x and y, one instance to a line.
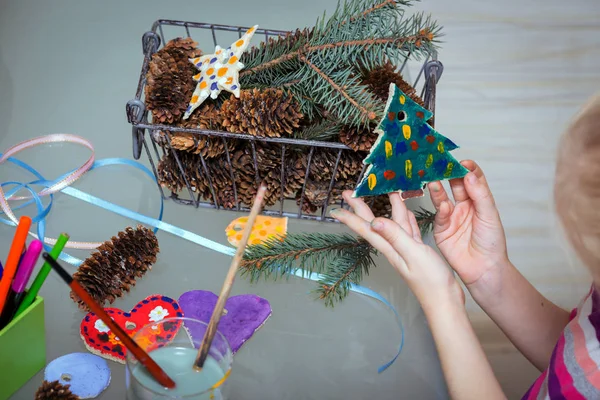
pixel 223 171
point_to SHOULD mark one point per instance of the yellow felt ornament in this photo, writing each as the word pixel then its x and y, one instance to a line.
pixel 264 228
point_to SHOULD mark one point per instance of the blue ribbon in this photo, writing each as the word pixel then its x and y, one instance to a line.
pixel 156 223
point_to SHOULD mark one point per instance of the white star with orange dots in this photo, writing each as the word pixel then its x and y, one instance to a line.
pixel 219 71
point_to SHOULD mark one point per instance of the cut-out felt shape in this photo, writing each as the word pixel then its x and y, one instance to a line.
pixel 264 228
pixel 219 71
pixel 243 315
pixel 99 339
pixel 88 374
pixel 408 152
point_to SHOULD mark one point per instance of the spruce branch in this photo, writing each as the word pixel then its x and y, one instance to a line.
pixel 321 131
pixel 354 45
pixel 346 270
pixel 310 252
pixel 318 65
pixel 368 114
pixel 342 260
pixel 374 8
pixel 425 220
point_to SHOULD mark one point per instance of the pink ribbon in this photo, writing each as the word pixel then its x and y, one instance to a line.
pixel 66 181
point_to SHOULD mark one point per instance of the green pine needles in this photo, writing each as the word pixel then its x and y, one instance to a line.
pixel 341 259
pixel 321 65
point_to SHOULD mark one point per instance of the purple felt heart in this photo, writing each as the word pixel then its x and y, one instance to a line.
pixel 244 315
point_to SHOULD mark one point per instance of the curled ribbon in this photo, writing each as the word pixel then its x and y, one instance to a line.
pixel 63 185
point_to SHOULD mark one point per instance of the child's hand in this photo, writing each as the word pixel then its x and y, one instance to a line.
pixel 469 232
pixel 399 240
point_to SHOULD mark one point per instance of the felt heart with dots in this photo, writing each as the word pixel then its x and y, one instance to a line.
pixel 99 339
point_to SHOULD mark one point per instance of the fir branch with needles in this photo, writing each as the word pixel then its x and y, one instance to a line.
pixel 321 131
pixel 342 260
pixel 318 64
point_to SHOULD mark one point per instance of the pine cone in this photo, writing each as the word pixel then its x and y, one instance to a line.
pixel 170 175
pixel 245 176
pixel 380 205
pixel 293 179
pixel 207 117
pixel 54 391
pixel 323 163
pixel 169 82
pixel 268 112
pixel 358 139
pixel 379 79
pixel 114 267
pixel 307 206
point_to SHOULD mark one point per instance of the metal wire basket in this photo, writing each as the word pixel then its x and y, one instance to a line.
pixel 427 77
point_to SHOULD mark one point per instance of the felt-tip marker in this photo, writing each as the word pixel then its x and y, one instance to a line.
pixel 22 276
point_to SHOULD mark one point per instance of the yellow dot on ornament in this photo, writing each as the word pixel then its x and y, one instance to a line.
pixel 222 71
pixel 408 169
pixel 197 77
pixel 406 131
pixel 372 181
pixel 203 85
pixel 239 43
pixel 429 161
pixel 440 147
pixel 402 99
pixel 448 170
pixel 194 99
pixel 279 229
pixel 388 149
pixel 233 60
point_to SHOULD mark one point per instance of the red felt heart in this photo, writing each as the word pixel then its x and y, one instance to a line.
pixel 101 341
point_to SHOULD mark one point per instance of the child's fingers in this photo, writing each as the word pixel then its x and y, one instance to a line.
pixel 416 232
pixel 438 194
pixel 363 228
pixel 400 240
pixel 458 190
pixel 400 212
pixel 479 192
pixel 358 205
pixel 443 217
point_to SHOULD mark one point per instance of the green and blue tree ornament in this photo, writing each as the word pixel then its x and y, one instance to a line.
pixel 408 152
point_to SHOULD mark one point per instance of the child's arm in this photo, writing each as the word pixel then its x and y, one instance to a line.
pixel 470 235
pixel 466 369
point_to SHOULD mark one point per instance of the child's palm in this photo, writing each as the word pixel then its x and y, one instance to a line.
pixel 469 233
pixel 470 244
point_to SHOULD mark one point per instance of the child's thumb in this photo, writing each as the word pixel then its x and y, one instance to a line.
pixel 481 195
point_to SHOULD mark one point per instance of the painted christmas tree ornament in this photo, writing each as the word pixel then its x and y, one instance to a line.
pixel 408 152
pixel 87 374
pixel 99 339
pixel 264 228
pixel 243 315
pixel 219 71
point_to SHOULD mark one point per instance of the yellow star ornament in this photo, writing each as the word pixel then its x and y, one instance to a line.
pixel 219 71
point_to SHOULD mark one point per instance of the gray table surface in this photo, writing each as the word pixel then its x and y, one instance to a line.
pixel 70 66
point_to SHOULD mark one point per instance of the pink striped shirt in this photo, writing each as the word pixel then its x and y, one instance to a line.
pixel 574 370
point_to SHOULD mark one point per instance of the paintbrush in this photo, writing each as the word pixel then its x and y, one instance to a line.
pixel 211 330
pixel 153 368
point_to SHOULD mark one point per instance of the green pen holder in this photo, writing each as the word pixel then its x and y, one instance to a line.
pixel 22 349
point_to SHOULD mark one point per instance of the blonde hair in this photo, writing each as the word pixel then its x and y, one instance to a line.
pixel 577 184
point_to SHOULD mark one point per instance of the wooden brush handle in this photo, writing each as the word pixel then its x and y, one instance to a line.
pixel 211 330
